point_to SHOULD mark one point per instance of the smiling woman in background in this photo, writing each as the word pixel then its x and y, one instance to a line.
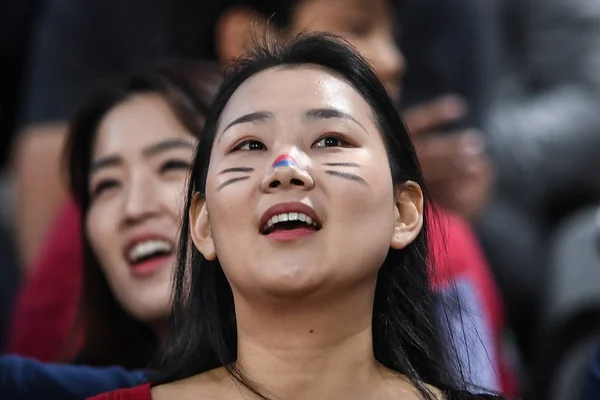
pixel 130 150
pixel 129 154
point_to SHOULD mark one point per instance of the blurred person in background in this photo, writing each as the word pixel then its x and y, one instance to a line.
pixel 225 36
pixel 17 20
pixel 543 126
pixel 128 156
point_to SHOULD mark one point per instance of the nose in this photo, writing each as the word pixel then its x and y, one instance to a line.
pixel 140 201
pixel 286 174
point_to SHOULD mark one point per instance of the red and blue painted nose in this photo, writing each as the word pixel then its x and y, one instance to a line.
pixel 285 160
pixel 286 173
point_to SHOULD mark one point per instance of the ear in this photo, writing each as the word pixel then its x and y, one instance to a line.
pixel 235 31
pixel 200 228
pixel 409 215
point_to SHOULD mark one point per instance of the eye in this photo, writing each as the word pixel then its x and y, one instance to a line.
pixel 250 145
pixel 103 186
pixel 331 141
pixel 175 165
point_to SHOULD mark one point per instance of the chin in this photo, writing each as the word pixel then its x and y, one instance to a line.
pixel 291 292
pixel 292 283
pixel 151 307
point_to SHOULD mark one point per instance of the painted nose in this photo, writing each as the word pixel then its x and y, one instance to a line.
pixel 286 174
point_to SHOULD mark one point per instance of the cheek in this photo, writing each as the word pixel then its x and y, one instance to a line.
pixel 99 229
pixel 102 236
pixel 174 194
pixel 233 221
pixel 370 205
pixel 227 214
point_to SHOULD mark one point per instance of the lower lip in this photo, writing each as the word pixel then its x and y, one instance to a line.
pixel 154 264
pixel 291 234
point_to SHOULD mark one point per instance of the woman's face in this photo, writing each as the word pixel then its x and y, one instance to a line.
pixel 366 24
pixel 140 160
pixel 299 194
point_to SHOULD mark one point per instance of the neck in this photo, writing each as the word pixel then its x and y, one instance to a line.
pixel 320 352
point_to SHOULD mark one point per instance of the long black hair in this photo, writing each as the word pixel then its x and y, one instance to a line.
pixel 407 337
pixel 112 336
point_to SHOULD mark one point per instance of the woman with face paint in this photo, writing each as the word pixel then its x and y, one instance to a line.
pixel 303 268
pixel 454 164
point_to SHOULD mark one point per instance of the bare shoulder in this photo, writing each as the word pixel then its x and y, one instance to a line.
pixel 206 386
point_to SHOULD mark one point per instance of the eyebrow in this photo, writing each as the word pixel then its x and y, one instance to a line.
pixel 161 147
pixel 252 117
pixel 329 113
pixel 152 150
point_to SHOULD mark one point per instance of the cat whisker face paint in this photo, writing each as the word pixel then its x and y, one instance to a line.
pixel 344 175
pixel 245 170
pixel 236 169
pixel 341 164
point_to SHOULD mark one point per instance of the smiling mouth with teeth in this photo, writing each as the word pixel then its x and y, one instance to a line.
pixel 289 221
pixel 146 250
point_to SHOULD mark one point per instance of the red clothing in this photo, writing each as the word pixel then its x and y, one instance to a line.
pixel 456 255
pixel 46 307
pixel 49 299
pixel 135 393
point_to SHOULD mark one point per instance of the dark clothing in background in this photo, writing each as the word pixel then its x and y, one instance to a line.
pixel 27 379
pixel 17 20
pixel 80 43
pixel 444 46
pixel 591 389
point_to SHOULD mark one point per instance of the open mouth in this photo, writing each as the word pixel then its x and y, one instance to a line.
pixel 289 221
pixel 148 250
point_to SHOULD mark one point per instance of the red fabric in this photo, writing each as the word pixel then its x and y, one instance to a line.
pixel 46 306
pixel 135 393
pixel 457 254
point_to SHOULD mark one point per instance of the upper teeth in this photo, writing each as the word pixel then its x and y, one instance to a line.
pixel 149 247
pixel 293 216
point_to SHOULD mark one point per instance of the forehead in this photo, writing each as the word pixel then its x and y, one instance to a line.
pixel 290 91
pixel 136 122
